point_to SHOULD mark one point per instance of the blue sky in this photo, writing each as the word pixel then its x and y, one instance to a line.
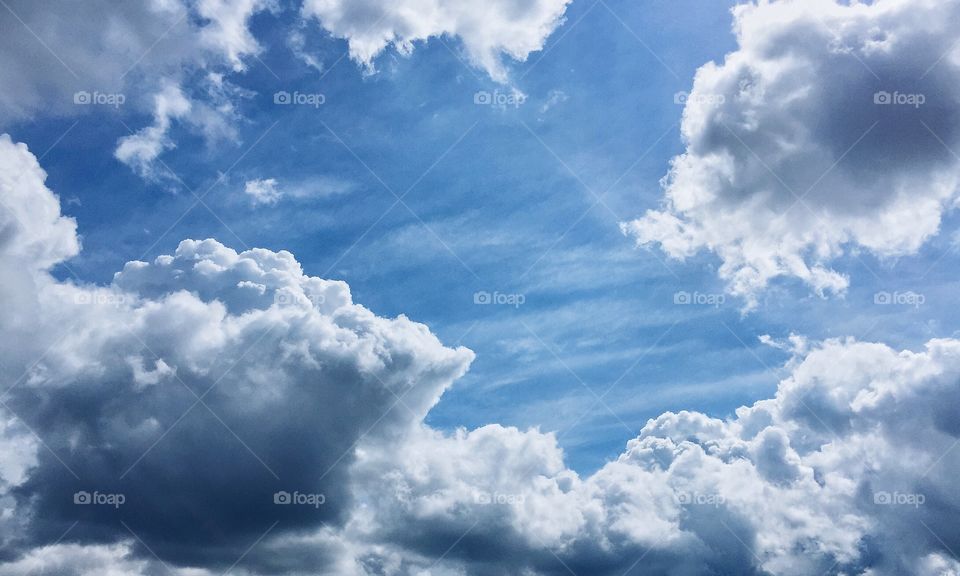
pixel 705 238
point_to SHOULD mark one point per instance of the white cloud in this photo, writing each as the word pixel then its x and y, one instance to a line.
pixel 32 230
pixel 554 98
pixel 130 57
pixel 228 30
pixel 77 560
pixel 141 150
pixel 488 30
pixel 297 41
pixel 132 50
pixel 270 191
pixel 262 191
pixel 212 115
pixel 790 162
pixel 841 471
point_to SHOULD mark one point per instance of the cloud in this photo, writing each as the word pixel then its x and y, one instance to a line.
pixel 73 52
pixel 59 61
pixel 51 52
pixel 228 29
pixel 848 469
pixel 270 191
pixel 32 229
pixel 212 114
pixel 262 191
pixel 196 387
pixel 76 560
pixel 171 56
pixel 488 30
pixel 141 150
pixel 554 98
pixel 825 132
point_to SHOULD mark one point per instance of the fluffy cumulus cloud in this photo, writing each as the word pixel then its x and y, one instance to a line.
pixel 32 230
pixel 189 392
pixel 488 30
pixel 826 131
pixel 849 469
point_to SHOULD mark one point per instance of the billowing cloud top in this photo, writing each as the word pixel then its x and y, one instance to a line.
pixel 32 230
pixel 198 386
pixel 848 470
pixel 830 126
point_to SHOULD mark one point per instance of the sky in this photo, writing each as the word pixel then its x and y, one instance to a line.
pixel 529 287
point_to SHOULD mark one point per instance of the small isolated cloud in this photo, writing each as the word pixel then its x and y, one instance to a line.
pixel 262 191
pixel 827 130
pixel 141 150
pixel 212 115
pixel 297 41
pixel 270 191
pixel 488 30
pixel 554 98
